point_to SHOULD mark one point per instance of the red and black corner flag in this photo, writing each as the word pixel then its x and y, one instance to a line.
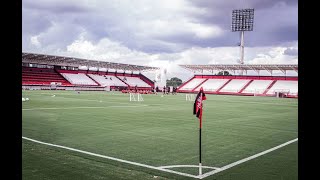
pixel 197 106
pixel 197 110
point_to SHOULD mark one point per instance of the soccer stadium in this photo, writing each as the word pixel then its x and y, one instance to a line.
pixel 113 120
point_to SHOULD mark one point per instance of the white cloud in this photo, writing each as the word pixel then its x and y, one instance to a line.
pixel 106 50
pixel 171 27
pixel 81 46
pixel 112 51
pixel 144 23
pixel 291 51
pixel 274 55
pixel 121 28
pixel 34 41
pixel 202 31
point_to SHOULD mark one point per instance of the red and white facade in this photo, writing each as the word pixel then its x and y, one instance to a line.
pixel 240 84
pixel 41 71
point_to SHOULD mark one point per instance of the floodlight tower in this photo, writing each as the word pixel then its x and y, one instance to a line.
pixel 242 20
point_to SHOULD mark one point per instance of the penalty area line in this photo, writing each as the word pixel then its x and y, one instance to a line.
pixel 195 166
pixel 245 159
pixel 112 158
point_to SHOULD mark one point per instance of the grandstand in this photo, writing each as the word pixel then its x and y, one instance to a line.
pixel 242 84
pixel 40 71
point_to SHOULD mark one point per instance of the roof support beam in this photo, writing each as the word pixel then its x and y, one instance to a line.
pixel 295 69
pixel 283 71
pixel 270 71
pixel 76 62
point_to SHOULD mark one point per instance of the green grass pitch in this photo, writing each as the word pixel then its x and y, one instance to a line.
pixel 160 131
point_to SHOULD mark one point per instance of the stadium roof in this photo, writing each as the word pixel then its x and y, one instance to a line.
pixel 245 67
pixel 76 62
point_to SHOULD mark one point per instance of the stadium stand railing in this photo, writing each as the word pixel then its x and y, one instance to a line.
pixel 257 85
pixel 269 87
pixel 212 85
pixel 218 90
pixel 147 80
pixel 245 86
pixel 234 86
pixel 181 86
pixel 93 80
pixel 192 84
pixel 120 79
pixel 200 84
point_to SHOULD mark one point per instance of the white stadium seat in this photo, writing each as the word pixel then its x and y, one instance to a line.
pixel 192 84
pixel 134 81
pixel 212 84
pixel 107 80
pixel 255 85
pixel 291 86
pixel 235 85
pixel 79 79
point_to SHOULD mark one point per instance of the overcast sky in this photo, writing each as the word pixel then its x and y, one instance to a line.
pixel 161 33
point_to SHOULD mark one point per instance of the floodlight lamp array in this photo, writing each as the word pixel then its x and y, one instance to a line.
pixel 242 20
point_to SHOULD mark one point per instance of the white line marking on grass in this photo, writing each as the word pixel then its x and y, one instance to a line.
pixel 112 158
pixel 246 159
pixel 63 96
pixel 196 166
pixel 80 107
pixel 82 99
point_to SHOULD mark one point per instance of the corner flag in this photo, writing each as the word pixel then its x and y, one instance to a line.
pixel 197 106
pixel 197 110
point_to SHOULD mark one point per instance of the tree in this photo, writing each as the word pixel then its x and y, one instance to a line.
pixel 225 73
pixel 175 82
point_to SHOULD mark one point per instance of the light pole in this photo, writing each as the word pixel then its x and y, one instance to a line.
pixel 242 20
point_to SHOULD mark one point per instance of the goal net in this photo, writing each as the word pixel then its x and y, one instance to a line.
pixel 190 97
pixel 135 97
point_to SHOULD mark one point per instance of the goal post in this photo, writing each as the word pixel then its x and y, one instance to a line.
pixel 190 97
pixel 135 97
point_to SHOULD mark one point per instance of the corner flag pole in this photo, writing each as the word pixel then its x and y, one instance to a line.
pixel 200 168
pixel 197 110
